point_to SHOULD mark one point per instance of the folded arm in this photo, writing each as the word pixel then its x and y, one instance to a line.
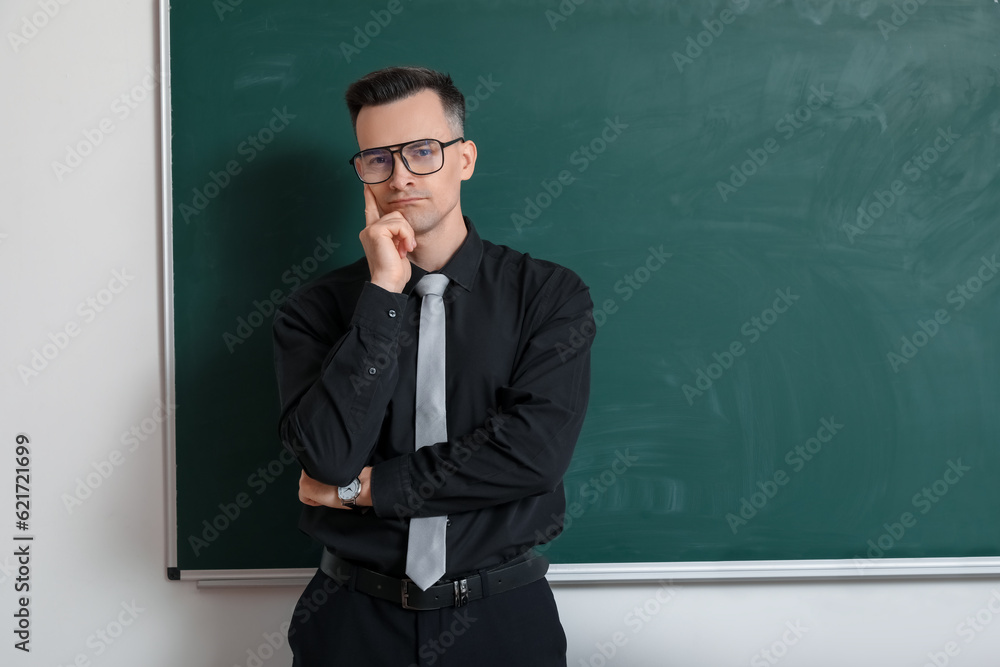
pixel 523 445
pixel 334 393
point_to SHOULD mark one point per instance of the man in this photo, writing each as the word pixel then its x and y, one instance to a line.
pixel 433 429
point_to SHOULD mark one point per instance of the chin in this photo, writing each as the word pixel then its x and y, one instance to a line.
pixel 422 222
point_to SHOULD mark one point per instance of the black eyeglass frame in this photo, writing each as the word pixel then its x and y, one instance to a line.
pixel 443 144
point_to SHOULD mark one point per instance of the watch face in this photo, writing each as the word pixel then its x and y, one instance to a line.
pixel 349 492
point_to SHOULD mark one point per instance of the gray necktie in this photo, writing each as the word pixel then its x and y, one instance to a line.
pixel 425 552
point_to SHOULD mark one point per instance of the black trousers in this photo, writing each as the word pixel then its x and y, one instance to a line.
pixel 334 626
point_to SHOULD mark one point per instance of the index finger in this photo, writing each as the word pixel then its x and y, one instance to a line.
pixel 372 211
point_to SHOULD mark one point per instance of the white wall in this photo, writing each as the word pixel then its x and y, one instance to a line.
pixel 61 241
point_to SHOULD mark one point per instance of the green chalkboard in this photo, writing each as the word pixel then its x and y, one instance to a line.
pixel 787 213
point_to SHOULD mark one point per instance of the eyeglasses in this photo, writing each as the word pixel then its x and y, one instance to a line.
pixel 421 157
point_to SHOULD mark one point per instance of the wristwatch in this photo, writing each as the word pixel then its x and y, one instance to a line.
pixel 349 494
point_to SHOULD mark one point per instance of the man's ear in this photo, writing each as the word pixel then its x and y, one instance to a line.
pixel 468 158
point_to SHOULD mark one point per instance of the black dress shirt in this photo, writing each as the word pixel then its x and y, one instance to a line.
pixel 518 334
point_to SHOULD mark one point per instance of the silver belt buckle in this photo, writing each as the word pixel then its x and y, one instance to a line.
pixel 405 594
pixel 461 592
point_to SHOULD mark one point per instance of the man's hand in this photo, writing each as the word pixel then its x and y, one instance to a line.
pixel 318 494
pixel 386 240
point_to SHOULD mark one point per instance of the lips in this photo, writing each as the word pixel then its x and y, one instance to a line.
pixel 408 200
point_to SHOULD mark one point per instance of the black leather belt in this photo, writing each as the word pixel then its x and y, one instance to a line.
pixel 506 576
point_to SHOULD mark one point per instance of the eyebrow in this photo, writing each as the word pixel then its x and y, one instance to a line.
pixel 402 143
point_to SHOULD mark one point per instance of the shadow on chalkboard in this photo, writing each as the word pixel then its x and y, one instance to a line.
pixel 275 227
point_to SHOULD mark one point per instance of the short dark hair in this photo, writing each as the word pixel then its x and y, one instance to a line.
pixel 397 83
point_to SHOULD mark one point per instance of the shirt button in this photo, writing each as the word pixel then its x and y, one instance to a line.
pixel 371 371
pixel 392 313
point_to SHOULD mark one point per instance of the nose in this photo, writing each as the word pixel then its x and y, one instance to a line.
pixel 401 176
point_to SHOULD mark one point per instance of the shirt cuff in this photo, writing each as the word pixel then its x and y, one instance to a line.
pixel 379 310
pixel 390 489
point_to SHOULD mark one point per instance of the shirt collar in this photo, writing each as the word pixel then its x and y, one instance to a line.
pixel 463 265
